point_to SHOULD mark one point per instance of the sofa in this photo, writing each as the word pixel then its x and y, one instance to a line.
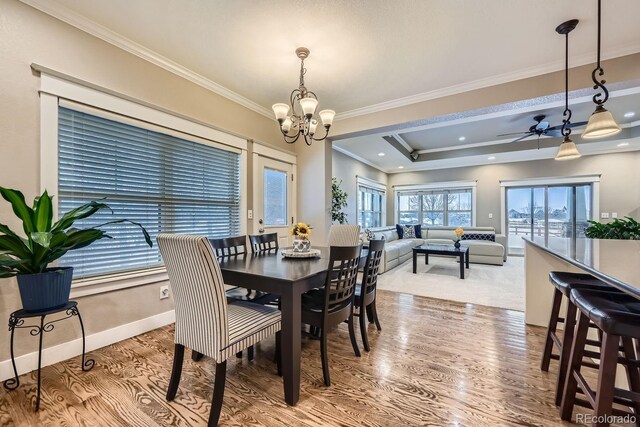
pixel 397 251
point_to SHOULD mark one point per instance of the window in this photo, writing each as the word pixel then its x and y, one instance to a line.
pixel 166 183
pixel 450 208
pixel 370 204
pixel 275 197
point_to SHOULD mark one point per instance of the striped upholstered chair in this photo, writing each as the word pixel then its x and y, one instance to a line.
pixel 344 235
pixel 205 322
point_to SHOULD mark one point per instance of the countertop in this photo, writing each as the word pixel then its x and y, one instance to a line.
pixel 617 262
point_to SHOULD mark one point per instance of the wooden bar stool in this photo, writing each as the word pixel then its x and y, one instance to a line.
pixel 563 283
pixel 617 315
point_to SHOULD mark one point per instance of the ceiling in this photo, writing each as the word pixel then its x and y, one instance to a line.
pixel 362 53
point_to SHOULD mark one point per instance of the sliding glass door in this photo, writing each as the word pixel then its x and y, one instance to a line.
pixel 552 213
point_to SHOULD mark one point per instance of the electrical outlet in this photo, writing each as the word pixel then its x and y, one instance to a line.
pixel 614 214
pixel 490 216
pixel 164 292
pixel 604 215
pixel 249 214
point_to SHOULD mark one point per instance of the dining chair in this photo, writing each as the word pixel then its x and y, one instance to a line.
pixel 205 322
pixel 328 307
pixel 365 294
pixel 228 246
pixel 344 235
pixel 261 243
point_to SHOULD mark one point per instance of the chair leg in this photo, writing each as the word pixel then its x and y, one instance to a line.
pixel 176 371
pixel 633 375
pixel 218 393
pixel 567 339
pixel 250 355
pixel 369 311
pixel 352 335
pixel 279 353
pixel 195 356
pixel 606 376
pixel 324 357
pixel 551 329
pixel 575 361
pixel 363 330
pixel 374 313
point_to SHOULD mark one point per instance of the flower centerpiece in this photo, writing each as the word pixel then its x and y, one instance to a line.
pixel 459 233
pixel 301 233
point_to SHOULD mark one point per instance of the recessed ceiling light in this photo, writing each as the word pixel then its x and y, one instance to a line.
pixel 629 114
pixel 623 144
pixel 400 167
pixel 491 158
pixel 462 138
pixel 381 154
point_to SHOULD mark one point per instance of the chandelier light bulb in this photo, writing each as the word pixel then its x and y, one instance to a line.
pixel 280 110
pixel 327 117
pixel 308 106
pixel 286 124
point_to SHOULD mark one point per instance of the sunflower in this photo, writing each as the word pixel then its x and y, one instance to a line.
pixel 301 229
pixel 459 232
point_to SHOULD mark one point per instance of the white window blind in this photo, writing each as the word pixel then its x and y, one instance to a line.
pixel 166 183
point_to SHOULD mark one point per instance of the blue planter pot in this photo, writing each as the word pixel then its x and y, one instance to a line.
pixel 45 291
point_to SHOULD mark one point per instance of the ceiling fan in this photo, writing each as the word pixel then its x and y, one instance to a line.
pixel 542 127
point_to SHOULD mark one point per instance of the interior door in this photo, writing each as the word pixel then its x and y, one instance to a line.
pixel 273 198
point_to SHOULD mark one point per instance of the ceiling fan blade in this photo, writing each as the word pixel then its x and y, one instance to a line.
pixel 571 125
pixel 523 137
pixel 514 133
pixel 553 133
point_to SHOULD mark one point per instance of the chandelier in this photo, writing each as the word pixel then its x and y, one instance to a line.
pixel 303 105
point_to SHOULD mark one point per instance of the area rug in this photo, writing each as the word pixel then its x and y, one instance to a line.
pixel 490 285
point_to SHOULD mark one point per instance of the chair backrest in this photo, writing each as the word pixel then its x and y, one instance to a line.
pixel 264 242
pixel 341 279
pixel 344 235
pixel 198 293
pixel 229 246
pixel 371 267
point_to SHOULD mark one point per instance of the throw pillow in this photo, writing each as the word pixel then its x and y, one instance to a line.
pixel 418 228
pixel 370 235
pixel 399 230
pixel 409 232
pixel 479 236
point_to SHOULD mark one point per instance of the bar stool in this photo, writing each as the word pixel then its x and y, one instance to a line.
pixel 563 283
pixel 617 315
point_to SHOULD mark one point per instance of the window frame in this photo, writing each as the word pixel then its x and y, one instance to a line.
pixel 59 89
pixel 365 182
pixel 435 188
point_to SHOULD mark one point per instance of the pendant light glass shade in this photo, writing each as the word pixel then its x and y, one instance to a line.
pixel 308 106
pixel 280 110
pixel 568 150
pixel 601 124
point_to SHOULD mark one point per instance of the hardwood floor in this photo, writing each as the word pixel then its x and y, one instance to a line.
pixel 434 363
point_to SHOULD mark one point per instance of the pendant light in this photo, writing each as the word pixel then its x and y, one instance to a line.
pixel 601 122
pixel 568 149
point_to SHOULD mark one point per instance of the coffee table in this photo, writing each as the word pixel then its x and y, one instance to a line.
pixel 447 250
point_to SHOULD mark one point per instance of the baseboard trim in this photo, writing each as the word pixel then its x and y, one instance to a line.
pixel 51 355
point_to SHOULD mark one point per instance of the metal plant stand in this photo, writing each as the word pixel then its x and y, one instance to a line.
pixel 16 321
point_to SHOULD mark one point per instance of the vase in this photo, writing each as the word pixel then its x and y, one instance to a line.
pixel 457 244
pixel 45 291
pixel 301 245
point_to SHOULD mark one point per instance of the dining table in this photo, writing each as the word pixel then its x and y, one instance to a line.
pixel 289 278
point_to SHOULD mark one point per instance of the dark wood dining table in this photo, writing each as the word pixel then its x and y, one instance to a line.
pixel 289 278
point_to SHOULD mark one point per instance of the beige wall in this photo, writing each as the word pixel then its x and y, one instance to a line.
pixel 28 36
pixel 346 169
pixel 619 182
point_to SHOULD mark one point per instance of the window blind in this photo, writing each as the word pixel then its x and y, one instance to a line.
pixel 163 182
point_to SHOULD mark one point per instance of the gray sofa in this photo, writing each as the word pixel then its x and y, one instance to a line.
pixel 397 251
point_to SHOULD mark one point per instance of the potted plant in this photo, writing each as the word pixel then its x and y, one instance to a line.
pixel 338 201
pixel 43 287
pixel 459 233
pixel 301 233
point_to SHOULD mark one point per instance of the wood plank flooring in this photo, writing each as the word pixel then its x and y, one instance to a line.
pixel 435 363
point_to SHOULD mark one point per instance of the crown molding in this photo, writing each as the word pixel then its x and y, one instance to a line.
pixel 76 20
pixel 358 158
pixel 486 82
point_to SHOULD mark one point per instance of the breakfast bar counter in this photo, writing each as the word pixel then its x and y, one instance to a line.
pixel 616 262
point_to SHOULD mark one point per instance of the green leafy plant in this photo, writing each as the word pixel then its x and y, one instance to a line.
pixel 46 241
pixel 625 229
pixel 338 201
